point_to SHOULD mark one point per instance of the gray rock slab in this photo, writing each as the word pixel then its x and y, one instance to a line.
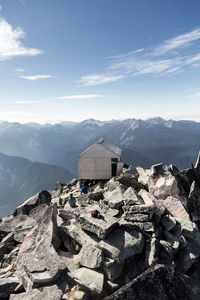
pixel 100 226
pixel 73 229
pixel 114 271
pixel 38 262
pixel 90 256
pixel 137 217
pixel 89 279
pixel 121 244
pixel 114 197
pixel 45 293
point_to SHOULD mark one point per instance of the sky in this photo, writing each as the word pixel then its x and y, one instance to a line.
pixel 70 60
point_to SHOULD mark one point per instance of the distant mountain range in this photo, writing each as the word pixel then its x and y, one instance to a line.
pixel 143 142
pixel 20 178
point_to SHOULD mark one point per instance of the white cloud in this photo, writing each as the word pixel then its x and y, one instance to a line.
pixel 89 96
pixel 19 70
pixel 35 77
pixel 167 58
pixel 195 95
pixel 96 79
pixel 177 42
pixel 10 42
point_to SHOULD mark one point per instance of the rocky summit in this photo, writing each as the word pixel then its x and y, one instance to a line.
pixel 143 242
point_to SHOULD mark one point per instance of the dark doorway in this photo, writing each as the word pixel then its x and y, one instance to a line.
pixel 114 166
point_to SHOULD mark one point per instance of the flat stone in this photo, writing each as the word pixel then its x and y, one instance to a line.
pixel 136 217
pixel 72 262
pixel 152 249
pixel 89 279
pixel 90 256
pixel 150 200
pixel 73 229
pixel 187 228
pixel 157 283
pixel 175 207
pixel 165 187
pixel 100 226
pixel 141 226
pixel 44 293
pixel 121 244
pixel 38 262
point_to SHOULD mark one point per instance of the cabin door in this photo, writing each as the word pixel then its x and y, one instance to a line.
pixel 114 166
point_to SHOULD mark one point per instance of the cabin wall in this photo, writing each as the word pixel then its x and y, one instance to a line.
pixel 95 163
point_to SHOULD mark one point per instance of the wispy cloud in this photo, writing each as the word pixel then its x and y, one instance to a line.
pixel 29 102
pixel 35 77
pixel 96 79
pixel 19 70
pixel 197 95
pixel 10 42
pixel 171 56
pixel 84 96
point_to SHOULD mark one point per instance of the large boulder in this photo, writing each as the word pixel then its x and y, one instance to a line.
pixel 121 244
pixel 115 197
pixel 157 283
pixel 194 197
pixel 38 263
pixel 44 197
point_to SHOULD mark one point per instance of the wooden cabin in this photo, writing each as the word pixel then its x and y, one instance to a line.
pixel 102 160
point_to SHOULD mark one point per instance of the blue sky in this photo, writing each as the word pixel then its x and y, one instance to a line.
pixel 103 59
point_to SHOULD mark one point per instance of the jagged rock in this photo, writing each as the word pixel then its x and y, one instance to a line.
pixel 151 200
pixel 194 197
pixel 89 279
pixel 177 229
pixel 77 295
pixel 38 211
pixel 121 244
pixel 130 180
pixel 168 222
pixel 175 207
pixel 44 293
pixel 100 226
pixel 96 196
pixel 131 197
pixel 143 176
pixel 9 224
pixel 38 262
pixel 164 187
pixel 73 229
pixel 158 283
pixel 90 256
pixel 114 197
pixel 113 271
pixel 25 208
pixel 8 286
pixel 189 254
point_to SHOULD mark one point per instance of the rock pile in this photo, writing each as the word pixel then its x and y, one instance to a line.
pixel 144 243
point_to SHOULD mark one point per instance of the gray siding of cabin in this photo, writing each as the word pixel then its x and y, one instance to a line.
pixel 95 163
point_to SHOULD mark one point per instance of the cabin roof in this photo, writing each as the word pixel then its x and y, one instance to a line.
pixel 107 145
